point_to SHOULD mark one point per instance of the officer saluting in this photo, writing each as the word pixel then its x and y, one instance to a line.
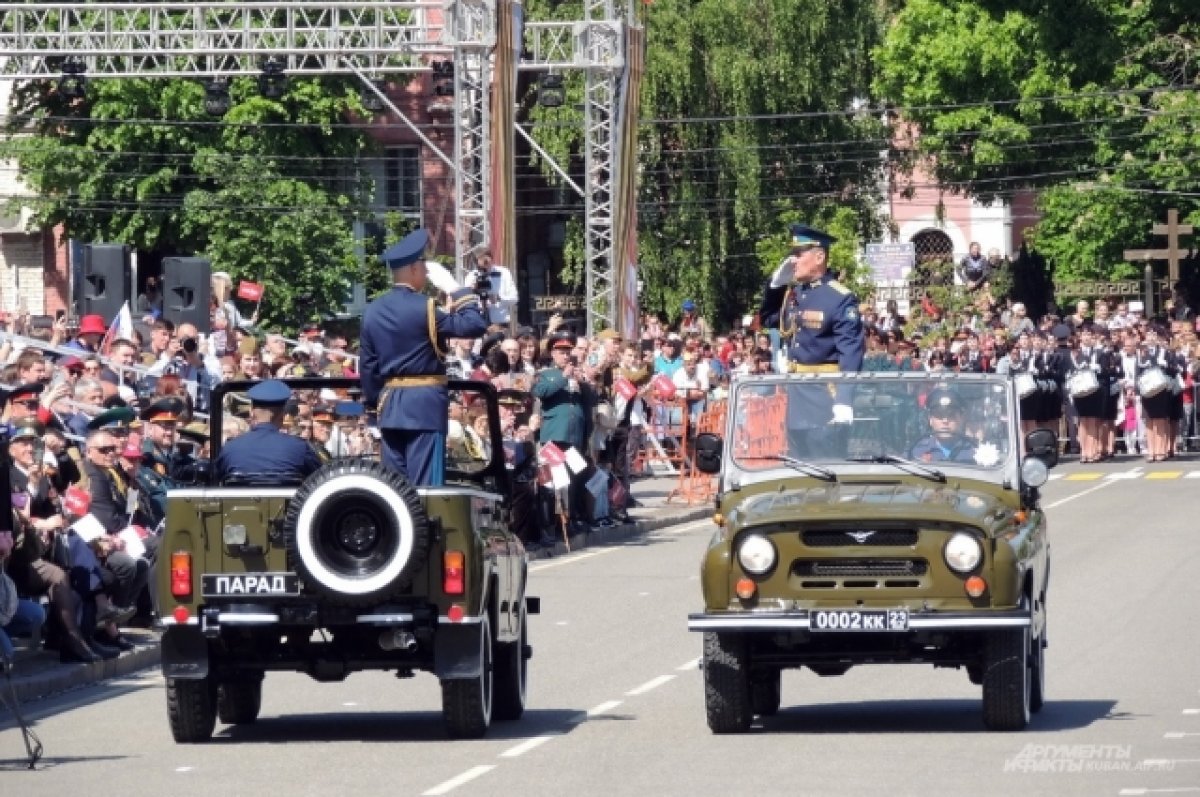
pixel 819 321
pixel 266 455
pixel 402 364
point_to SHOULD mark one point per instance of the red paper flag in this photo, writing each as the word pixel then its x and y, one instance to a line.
pixel 624 388
pixel 250 291
pixel 664 387
pixel 551 455
pixel 76 501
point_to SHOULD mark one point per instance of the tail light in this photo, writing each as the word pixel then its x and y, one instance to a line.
pixel 181 574
pixel 452 573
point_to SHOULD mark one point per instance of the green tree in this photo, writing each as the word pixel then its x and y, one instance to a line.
pixel 1092 101
pixel 745 128
pixel 269 192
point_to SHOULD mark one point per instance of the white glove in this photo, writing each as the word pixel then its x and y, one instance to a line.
pixel 784 274
pixel 843 413
pixel 442 279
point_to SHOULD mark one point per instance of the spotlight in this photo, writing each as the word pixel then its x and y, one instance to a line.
pixel 443 78
pixel 73 83
pixel 372 101
pixel 272 83
pixel 216 97
pixel 551 93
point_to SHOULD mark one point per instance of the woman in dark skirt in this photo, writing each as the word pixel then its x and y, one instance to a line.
pixel 1092 408
pixel 1021 361
pixel 1156 409
pixel 1054 363
pixel 1110 387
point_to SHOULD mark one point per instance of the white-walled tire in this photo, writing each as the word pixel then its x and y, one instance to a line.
pixel 356 532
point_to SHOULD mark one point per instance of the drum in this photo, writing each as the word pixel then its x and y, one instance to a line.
pixel 1083 383
pixel 1026 385
pixel 1152 382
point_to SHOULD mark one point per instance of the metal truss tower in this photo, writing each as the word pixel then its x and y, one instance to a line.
pixel 368 39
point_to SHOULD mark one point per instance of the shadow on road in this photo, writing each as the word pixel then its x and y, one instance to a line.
pixel 416 726
pixel 53 762
pixel 927 716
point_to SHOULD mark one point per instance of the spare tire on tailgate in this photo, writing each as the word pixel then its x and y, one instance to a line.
pixel 356 532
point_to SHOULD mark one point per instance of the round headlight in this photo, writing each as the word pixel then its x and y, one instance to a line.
pixel 756 554
pixel 963 552
pixel 1034 472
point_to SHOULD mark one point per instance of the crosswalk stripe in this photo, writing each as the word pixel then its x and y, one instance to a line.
pixel 1195 474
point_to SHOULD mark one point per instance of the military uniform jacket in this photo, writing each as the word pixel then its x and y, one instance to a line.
pixel 931 449
pixel 566 414
pixel 404 334
pixel 265 456
pixel 821 318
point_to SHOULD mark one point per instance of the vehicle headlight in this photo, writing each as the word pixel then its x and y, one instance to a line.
pixel 756 554
pixel 963 552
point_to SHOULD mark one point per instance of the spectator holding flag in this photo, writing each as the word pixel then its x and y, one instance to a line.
pixel 222 291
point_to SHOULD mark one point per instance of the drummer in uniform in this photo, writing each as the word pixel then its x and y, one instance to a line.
pixel 820 325
pixel 402 362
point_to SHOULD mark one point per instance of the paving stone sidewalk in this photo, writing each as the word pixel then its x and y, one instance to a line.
pixel 38 673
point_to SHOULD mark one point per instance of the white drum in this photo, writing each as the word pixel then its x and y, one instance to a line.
pixel 1083 383
pixel 1026 385
pixel 1152 382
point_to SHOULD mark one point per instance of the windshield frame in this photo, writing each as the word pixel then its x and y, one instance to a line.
pixel 1007 472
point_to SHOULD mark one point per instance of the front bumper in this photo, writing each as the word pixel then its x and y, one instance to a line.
pixel 799 621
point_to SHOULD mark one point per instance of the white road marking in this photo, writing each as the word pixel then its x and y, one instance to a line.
pixel 696 524
pixel 527 745
pixel 184 769
pixel 561 622
pixel 643 594
pixel 1191 711
pixel 603 708
pixel 1193 474
pixel 572 558
pixel 1135 473
pixel 1069 498
pixel 1054 477
pixel 691 665
pixel 653 683
pixel 1175 790
pixel 455 782
pixel 349 705
pixel 1179 734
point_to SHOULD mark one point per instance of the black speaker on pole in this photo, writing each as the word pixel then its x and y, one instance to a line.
pixel 187 291
pixel 105 283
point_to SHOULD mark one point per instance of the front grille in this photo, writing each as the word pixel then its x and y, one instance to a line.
pixel 867 568
pixel 851 538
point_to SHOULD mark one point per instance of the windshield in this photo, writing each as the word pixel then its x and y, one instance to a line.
pixel 936 423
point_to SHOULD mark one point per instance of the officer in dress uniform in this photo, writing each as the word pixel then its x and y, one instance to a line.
pixel 946 442
pixel 402 362
pixel 266 455
pixel 820 325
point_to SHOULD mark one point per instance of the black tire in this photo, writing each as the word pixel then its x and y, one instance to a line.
pixel 356 532
pixel 1007 681
pixel 467 703
pixel 191 709
pixel 511 674
pixel 238 702
pixel 727 683
pixel 766 692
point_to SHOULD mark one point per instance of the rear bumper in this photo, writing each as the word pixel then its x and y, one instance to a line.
pixel 799 621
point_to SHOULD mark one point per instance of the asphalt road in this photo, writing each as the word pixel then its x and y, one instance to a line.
pixel 616 703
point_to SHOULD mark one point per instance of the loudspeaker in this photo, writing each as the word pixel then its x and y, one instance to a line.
pixel 187 291
pixel 105 282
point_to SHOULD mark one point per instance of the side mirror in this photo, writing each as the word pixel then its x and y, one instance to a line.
pixel 1042 444
pixel 708 448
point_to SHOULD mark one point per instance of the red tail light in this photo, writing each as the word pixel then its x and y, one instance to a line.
pixel 452 573
pixel 181 574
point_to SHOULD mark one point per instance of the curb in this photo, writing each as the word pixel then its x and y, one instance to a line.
pixel 623 531
pixel 62 677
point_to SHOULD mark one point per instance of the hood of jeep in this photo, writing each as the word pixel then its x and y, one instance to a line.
pixel 957 501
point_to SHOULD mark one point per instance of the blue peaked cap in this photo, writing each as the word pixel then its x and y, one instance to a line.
pixel 409 250
pixel 803 235
pixel 270 391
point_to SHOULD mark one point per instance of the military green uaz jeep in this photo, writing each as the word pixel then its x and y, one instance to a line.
pixel 354 569
pixel 911 534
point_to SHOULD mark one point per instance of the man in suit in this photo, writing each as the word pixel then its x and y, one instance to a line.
pixel 402 361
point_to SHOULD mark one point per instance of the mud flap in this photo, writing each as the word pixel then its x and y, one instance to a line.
pixel 184 653
pixel 456 653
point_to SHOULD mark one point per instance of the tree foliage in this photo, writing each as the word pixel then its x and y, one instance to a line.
pixel 268 193
pixel 733 101
pixel 1093 101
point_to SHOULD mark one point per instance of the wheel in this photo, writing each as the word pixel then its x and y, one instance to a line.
pixel 1007 680
pixel 191 709
pixel 766 690
pixel 727 683
pixel 512 670
pixel 238 702
pixel 467 703
pixel 356 532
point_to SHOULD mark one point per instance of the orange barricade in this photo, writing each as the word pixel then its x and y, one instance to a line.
pixel 694 486
pixel 666 434
pixel 762 427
